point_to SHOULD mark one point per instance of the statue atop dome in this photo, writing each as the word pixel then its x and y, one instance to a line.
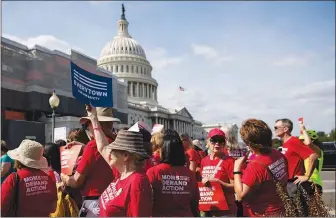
pixel 123 12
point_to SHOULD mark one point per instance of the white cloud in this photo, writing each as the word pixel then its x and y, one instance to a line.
pixel 315 101
pixel 47 41
pixel 209 53
pixel 295 60
pixel 319 89
pixel 160 60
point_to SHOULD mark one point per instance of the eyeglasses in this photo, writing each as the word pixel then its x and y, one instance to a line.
pixel 278 127
pixel 219 141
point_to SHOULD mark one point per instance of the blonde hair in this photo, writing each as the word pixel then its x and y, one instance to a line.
pixel 157 141
pixel 136 160
pixel 231 140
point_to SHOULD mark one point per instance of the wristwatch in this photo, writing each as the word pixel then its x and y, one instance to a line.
pixel 238 172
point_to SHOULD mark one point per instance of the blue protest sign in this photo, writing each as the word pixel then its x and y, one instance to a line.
pixel 89 88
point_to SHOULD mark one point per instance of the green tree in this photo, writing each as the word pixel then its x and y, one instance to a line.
pixel 323 137
pixel 332 135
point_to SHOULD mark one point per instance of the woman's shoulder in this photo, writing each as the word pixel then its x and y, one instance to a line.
pixel 138 176
pixel 160 168
pixel 138 179
pixel 5 159
pixel 206 158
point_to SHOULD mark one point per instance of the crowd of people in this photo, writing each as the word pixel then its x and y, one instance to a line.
pixel 139 173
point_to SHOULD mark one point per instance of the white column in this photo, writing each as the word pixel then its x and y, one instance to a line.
pixel 131 89
pixel 136 89
pixel 143 90
pixel 147 96
pixel 150 92
pixel 186 126
pixel 153 95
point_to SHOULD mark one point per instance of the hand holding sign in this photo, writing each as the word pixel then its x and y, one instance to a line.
pixel 91 111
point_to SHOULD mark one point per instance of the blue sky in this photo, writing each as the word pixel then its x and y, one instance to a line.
pixel 236 60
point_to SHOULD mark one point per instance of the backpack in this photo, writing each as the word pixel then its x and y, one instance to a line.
pixel 66 206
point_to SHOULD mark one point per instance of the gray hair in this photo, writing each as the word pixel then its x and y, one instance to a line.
pixel 287 122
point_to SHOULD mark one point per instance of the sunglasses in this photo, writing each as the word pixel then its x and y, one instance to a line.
pixel 278 127
pixel 219 141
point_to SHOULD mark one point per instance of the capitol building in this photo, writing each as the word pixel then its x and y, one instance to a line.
pixel 127 60
pixel 30 74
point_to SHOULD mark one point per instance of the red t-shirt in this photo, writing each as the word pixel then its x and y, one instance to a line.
pixel 93 166
pixel 202 154
pixel 130 197
pixel 51 174
pixel 174 188
pixel 148 164
pixel 224 173
pixel 192 155
pixel 265 200
pixel 37 194
pixel 295 152
pixel 156 158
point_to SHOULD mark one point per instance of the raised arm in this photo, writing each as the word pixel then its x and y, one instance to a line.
pixel 99 135
pixel 306 138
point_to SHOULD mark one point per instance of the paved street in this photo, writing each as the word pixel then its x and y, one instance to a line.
pixel 328 178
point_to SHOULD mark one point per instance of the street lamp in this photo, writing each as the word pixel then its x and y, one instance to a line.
pixel 54 102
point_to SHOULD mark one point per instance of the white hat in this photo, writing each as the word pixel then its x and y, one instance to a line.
pixel 104 114
pixel 30 154
pixel 198 144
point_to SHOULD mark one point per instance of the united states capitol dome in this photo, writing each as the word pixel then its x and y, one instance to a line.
pixel 123 44
pixel 126 59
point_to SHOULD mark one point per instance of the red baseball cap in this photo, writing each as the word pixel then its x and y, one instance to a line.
pixel 216 132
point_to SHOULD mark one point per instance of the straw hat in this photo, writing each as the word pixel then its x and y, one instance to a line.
pixel 129 141
pixel 30 154
pixel 104 114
